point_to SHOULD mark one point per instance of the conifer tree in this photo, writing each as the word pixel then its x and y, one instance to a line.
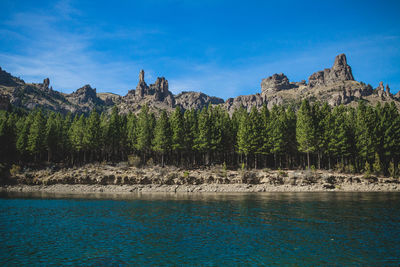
pixel 23 126
pixel 77 132
pixel 255 140
pixel 305 130
pixel 36 137
pixel 243 136
pixel 191 130
pixel 178 134
pixel 162 136
pixel 132 131
pixel 203 138
pixel 51 136
pixel 92 134
pixel 144 132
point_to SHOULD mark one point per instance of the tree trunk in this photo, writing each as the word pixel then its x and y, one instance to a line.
pixel 319 160
pixel 308 159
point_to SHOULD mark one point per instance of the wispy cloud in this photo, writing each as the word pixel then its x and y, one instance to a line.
pixel 45 47
pixel 66 56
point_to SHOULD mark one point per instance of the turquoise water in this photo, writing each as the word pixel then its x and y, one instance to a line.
pixel 248 229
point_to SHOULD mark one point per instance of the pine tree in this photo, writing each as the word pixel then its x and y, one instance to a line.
pixel 92 134
pixel 340 141
pixel 278 133
pixel 178 134
pixel 144 132
pixel 243 136
pixel 191 130
pixel 51 136
pixel 76 136
pixel 291 143
pixel 23 126
pixel 132 131
pixel 36 137
pixel 255 142
pixel 162 136
pixel 305 130
pixel 203 138
pixel 266 131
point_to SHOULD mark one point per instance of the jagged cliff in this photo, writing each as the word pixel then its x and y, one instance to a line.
pixel 335 85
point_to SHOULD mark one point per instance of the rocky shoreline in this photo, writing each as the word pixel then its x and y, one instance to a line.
pixel 98 178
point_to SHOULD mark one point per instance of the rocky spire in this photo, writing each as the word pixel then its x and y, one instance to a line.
pixel 339 72
pixel 380 90
pixel 387 90
pixel 141 76
pixel 141 88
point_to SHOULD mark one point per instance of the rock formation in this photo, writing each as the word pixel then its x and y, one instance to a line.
pixel 335 86
pixel 275 83
pixel 196 100
pixel 339 72
pixel 85 95
pixel 6 79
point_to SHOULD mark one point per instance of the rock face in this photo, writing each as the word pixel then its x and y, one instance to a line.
pixel 85 95
pixel 339 72
pixel 380 91
pixel 6 79
pixel 196 100
pixel 245 101
pixel 335 86
pixel 4 102
pixel 275 83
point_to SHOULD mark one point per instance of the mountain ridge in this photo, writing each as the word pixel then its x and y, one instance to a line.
pixel 335 85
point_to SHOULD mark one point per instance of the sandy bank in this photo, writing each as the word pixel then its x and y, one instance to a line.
pixel 96 178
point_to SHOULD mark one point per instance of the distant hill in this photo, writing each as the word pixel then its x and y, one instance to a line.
pixel 335 85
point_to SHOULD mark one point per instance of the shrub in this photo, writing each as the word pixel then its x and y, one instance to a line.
pixel 133 161
pixel 282 173
pixel 186 174
pixel 150 162
pixel 224 166
pixel 367 168
pixel 350 168
pixel 377 165
pixel 15 169
pixel 313 169
pixel 339 167
pixel 392 170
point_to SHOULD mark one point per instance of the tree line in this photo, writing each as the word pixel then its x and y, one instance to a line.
pixel 360 139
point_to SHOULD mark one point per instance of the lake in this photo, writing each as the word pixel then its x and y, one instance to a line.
pixel 200 229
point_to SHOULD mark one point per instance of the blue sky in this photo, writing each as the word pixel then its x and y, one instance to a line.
pixel 222 48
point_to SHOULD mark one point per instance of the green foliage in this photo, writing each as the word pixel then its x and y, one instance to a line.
pixel 162 134
pixel 134 161
pixel 15 169
pixel 377 166
pixel 36 137
pixel 367 168
pixel 263 138
pixel 392 170
pixel 177 127
pixel 282 173
pixel 350 168
pixel 305 129
pixel 144 132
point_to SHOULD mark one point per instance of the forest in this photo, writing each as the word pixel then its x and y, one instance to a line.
pixel 362 139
